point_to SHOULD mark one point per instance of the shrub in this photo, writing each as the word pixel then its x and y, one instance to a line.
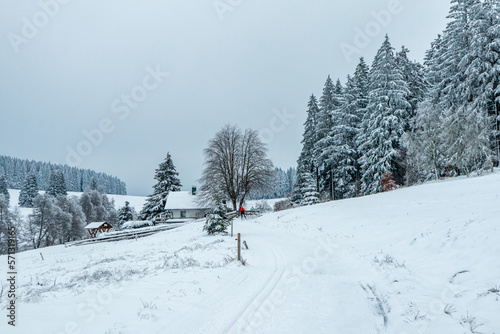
pixel 282 205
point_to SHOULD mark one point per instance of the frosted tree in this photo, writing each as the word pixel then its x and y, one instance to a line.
pixel 28 192
pixel 413 75
pixel 305 192
pixel 483 72
pixel 217 220
pixel 125 213
pixel 97 207
pixel 167 181
pixel 329 106
pixel 426 144
pixel 466 123
pixel 388 112
pixel 57 184
pixel 308 161
pixel 77 222
pixel 344 150
pixel 309 138
pixel 4 189
pixel 356 105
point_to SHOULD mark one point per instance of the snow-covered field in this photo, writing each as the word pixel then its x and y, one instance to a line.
pixel 416 260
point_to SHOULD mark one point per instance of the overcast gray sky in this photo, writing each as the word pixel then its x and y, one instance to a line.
pixel 115 85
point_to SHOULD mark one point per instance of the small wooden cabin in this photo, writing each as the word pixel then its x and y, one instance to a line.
pixel 97 227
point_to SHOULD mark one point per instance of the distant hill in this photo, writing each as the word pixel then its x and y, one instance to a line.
pixel 77 179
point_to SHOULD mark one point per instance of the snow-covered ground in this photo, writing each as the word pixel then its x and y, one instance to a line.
pixel 416 260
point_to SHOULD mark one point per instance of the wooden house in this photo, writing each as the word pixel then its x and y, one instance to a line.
pixel 97 227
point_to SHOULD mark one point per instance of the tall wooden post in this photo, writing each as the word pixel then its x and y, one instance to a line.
pixel 239 246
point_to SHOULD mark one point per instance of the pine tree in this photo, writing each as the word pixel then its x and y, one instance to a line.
pixel 125 213
pixel 168 181
pixel 309 195
pixel 4 189
pixel 309 138
pixel 413 75
pixel 344 148
pixel 217 220
pixel 356 105
pixel 465 121
pixel 330 103
pixel 388 113
pixel 57 184
pixel 483 72
pixel 28 192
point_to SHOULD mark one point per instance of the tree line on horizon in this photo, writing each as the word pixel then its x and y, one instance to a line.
pixel 400 122
pixel 16 171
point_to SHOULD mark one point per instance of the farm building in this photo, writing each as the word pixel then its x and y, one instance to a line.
pixel 97 227
pixel 183 205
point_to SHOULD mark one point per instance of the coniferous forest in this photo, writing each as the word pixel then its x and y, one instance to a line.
pixel 399 122
pixel 16 170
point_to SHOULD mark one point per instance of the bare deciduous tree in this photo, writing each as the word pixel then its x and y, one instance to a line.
pixel 235 163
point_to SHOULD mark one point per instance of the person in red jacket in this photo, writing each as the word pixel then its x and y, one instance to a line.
pixel 242 213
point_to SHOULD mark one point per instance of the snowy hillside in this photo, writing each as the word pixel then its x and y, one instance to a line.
pixel 416 260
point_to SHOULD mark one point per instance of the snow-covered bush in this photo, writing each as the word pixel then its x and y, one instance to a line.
pixel 136 224
pixel 282 205
pixel 262 206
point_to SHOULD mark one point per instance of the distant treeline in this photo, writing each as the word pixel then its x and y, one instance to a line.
pixel 282 185
pixel 15 171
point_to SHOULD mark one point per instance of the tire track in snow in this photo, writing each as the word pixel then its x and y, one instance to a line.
pixel 243 321
pixel 221 312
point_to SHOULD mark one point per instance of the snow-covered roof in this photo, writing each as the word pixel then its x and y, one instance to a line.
pixel 94 225
pixel 182 200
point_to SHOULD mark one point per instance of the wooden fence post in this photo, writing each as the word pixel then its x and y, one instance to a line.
pixel 239 246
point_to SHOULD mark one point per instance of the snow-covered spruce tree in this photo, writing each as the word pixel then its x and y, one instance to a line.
pixel 483 72
pixel 4 189
pixel 309 138
pixel 57 184
pixel 28 192
pixel 309 195
pixel 413 75
pixel 329 104
pixel 344 152
pixel 307 161
pixel 356 104
pixel 168 181
pixel 388 113
pixel 125 213
pixel 217 220
pixel 466 125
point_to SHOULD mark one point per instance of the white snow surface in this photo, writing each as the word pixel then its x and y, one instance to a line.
pixel 416 260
